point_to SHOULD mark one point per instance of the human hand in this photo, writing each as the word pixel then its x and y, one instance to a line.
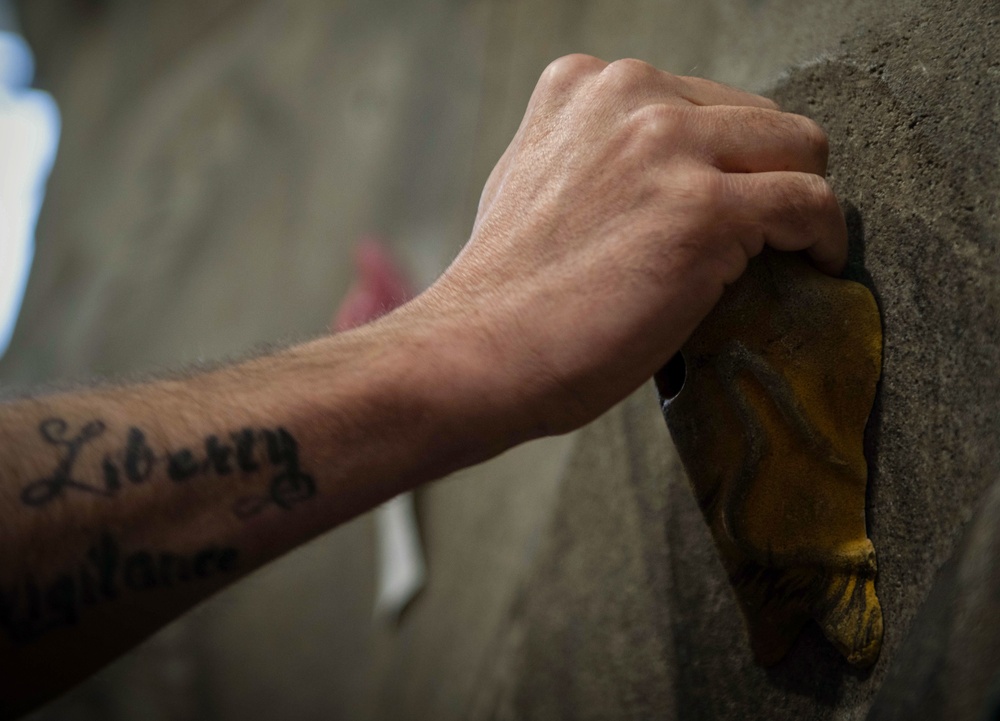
pixel 626 202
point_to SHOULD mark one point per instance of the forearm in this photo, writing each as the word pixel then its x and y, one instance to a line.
pixel 121 508
pixel 626 202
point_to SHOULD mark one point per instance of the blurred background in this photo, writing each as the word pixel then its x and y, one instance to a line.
pixel 217 162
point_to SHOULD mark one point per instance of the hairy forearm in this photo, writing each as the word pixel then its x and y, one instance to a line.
pixel 626 202
pixel 120 508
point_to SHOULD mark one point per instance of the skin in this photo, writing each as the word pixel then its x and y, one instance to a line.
pixel 627 201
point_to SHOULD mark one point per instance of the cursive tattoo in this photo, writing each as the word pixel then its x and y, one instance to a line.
pixel 54 431
pixel 244 451
pixel 289 487
pixel 33 608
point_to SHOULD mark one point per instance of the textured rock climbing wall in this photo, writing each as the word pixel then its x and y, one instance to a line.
pixel 219 158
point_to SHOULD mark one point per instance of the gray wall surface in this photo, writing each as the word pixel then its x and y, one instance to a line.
pixel 220 157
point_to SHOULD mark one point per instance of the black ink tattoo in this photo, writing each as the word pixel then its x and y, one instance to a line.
pixel 32 609
pixel 182 465
pixel 250 451
pixel 244 441
pixel 289 487
pixel 139 458
pixel 54 431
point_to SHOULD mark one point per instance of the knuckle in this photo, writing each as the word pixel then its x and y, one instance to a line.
pixel 658 124
pixel 629 70
pixel 768 103
pixel 813 135
pixel 570 69
pixel 819 194
pixel 709 188
pixel 810 196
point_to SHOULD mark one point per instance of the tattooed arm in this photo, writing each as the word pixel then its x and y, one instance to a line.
pixel 122 507
pixel 626 202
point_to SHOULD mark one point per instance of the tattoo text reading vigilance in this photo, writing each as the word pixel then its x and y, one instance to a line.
pixel 33 608
pixel 249 450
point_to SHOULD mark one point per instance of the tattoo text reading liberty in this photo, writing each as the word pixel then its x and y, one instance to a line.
pixel 248 450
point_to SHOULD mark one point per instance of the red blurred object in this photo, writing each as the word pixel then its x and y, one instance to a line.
pixel 381 286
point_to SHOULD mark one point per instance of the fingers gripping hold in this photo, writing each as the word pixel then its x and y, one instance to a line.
pixel 790 211
pixel 618 167
pixel 755 140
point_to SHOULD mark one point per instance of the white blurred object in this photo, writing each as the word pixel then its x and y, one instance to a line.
pixel 29 135
pixel 401 568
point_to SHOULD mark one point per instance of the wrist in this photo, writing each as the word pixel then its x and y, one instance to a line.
pixel 418 392
pixel 446 374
